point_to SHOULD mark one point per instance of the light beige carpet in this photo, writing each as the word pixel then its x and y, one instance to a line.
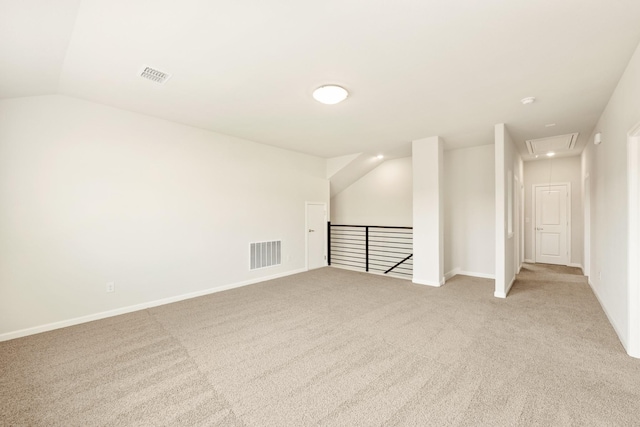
pixel 335 347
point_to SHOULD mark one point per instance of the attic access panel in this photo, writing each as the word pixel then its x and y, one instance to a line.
pixel 557 144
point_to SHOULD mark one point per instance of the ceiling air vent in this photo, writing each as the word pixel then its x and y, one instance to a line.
pixel 556 144
pixel 154 75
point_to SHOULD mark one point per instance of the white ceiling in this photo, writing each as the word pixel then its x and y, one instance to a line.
pixel 414 68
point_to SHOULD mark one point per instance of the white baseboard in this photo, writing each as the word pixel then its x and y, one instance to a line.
pixel 621 337
pixel 450 274
pixel 428 283
pixel 377 273
pixel 513 280
pixel 346 267
pixel 457 271
pixel 504 294
pixel 476 274
pixel 137 307
pixel 529 261
pixel 575 264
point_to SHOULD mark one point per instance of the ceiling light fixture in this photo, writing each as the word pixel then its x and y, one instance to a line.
pixel 551 154
pixel 330 94
pixel 379 157
pixel 527 100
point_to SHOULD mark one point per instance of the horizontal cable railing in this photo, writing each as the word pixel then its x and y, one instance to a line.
pixel 383 249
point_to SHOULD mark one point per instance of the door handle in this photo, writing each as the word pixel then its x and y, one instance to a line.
pixel 539 228
pixel 311 231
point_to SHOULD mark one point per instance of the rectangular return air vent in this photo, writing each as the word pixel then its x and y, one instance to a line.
pixel 154 75
pixel 266 254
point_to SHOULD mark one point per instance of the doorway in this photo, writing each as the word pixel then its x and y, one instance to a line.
pixel 552 223
pixel 316 235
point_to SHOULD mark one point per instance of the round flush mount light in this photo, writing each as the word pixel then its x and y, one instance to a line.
pixel 551 154
pixel 330 94
pixel 528 100
pixel 379 157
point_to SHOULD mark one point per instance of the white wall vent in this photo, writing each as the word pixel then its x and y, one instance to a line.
pixel 265 254
pixel 154 75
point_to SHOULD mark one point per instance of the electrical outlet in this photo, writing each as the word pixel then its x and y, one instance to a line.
pixel 111 287
pixel 599 275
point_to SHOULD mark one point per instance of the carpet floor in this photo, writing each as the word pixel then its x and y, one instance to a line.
pixel 338 348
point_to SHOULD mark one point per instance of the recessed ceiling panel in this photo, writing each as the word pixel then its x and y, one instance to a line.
pixel 556 144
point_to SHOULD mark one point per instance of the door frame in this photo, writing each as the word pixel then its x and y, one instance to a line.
pixel 533 215
pixel 306 233
pixel 517 224
pixel 522 225
pixel 586 200
pixel 633 243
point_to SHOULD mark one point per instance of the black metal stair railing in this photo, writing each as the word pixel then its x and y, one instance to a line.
pixel 383 249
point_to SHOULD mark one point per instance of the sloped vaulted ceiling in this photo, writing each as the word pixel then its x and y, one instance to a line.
pixel 414 68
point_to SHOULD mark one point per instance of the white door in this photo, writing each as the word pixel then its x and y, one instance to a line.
pixel 316 235
pixel 552 224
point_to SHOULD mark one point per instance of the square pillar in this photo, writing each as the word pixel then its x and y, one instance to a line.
pixel 428 212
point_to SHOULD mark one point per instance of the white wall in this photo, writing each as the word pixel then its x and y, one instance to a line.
pixel 384 197
pixel 91 194
pixel 508 164
pixel 381 197
pixel 544 171
pixel 469 220
pixel 606 166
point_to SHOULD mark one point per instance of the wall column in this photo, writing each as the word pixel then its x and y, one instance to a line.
pixel 428 212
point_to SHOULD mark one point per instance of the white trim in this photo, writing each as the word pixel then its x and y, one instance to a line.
pixel 529 261
pixel 621 337
pixel 504 294
pixel 453 272
pixel 586 224
pixel 306 233
pixel 516 223
pixel 633 242
pixel 510 285
pixel 457 271
pixel 377 273
pixel 428 283
pixel 500 204
pixel 137 307
pixel 569 202
pixel 521 223
pixel 390 275
pixel 577 265
pixel 347 267
pixel 476 274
